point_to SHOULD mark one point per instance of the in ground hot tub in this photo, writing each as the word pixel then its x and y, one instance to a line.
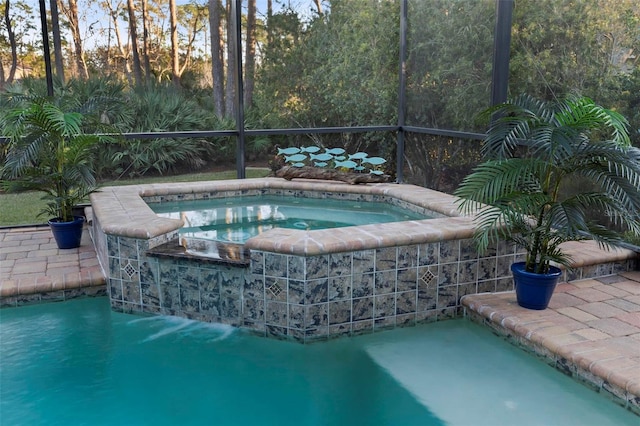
pixel 237 219
pixel 295 282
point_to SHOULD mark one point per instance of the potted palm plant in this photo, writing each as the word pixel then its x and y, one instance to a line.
pixel 49 152
pixel 531 151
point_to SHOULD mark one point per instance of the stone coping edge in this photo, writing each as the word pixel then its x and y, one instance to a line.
pixel 122 211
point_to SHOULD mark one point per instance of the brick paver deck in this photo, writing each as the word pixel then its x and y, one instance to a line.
pixel 32 268
pixel 591 331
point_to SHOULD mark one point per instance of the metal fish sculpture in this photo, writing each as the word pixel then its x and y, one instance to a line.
pixel 298 164
pixel 310 149
pixel 346 164
pixel 320 164
pixel 295 158
pixel 358 156
pixel 376 161
pixel 335 151
pixel 321 157
pixel 288 151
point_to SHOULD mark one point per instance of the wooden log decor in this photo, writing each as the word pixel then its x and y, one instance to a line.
pixel 307 172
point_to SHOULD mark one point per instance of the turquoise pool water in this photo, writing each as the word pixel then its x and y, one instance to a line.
pixel 78 363
pixel 236 219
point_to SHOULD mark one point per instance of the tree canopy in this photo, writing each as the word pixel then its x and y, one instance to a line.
pixel 332 63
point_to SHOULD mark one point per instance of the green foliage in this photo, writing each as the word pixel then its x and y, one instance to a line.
pixel 565 47
pixel 341 70
pixel 531 150
pixel 450 47
pixel 100 100
pixel 159 108
pixel 49 152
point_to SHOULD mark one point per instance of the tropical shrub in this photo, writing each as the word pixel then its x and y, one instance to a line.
pixel 532 150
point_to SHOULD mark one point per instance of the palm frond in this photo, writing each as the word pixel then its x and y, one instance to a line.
pixel 531 149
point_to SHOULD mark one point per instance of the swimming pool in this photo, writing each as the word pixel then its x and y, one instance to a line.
pixel 78 362
pixel 236 219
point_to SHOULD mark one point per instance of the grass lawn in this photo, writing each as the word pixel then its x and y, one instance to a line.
pixel 23 208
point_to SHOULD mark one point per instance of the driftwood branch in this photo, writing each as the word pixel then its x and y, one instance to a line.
pixel 289 172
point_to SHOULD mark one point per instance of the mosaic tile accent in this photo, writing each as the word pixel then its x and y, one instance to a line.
pixel 129 270
pixel 275 289
pixel 428 278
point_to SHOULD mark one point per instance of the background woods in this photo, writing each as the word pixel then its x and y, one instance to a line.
pixel 169 64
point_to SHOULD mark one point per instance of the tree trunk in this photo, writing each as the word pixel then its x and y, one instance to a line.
pixel 250 52
pixel 81 64
pixel 269 22
pixel 217 62
pixel 57 43
pixel 231 63
pixel 123 54
pixel 12 43
pixel 146 44
pixel 194 29
pixel 175 56
pixel 133 33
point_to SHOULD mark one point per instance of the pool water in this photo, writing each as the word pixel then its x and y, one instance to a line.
pixel 78 362
pixel 236 219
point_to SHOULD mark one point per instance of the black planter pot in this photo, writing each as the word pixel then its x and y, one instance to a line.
pixel 534 291
pixel 78 209
pixel 67 234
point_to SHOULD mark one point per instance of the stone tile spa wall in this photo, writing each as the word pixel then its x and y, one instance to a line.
pixel 302 285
